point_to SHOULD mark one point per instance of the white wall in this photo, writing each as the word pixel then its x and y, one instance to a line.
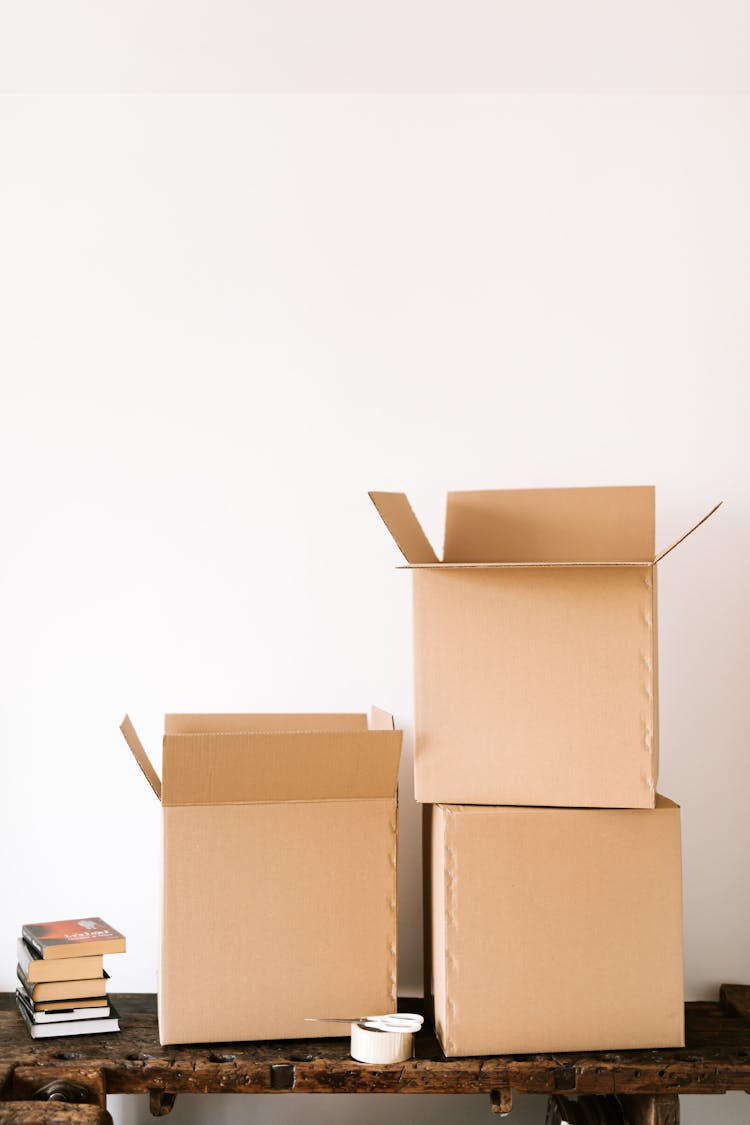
pixel 223 319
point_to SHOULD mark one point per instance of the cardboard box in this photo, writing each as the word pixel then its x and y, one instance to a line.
pixel 279 847
pixel 554 929
pixel 535 647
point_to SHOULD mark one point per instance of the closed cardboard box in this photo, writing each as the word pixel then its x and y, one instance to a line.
pixel 554 929
pixel 535 647
pixel 279 849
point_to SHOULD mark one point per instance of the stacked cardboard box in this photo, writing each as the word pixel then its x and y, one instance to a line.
pixel 552 868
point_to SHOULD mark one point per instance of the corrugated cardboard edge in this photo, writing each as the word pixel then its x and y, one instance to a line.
pixel 690 531
pixel 381 720
pixel 398 516
pixel 140 755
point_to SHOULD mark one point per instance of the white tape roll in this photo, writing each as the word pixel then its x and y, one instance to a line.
pixel 371 1046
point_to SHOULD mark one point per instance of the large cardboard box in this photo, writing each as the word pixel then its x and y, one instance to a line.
pixel 279 850
pixel 535 647
pixel 554 929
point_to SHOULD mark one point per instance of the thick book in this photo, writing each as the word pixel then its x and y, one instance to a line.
pixel 63 989
pixel 41 1015
pixel 68 1027
pixel 72 938
pixel 36 969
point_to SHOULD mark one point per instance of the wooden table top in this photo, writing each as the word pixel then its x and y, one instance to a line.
pixel 715 1060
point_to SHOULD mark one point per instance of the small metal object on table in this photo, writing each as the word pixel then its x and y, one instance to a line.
pixel 75 1074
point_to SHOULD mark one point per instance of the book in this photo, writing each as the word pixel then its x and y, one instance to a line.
pixel 63 989
pixel 68 1027
pixel 36 969
pixel 72 938
pixel 41 1015
pixel 66 1005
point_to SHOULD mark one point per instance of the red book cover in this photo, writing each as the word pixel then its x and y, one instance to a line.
pixel 73 938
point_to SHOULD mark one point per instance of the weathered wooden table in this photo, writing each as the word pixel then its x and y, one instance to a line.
pixel 45 1080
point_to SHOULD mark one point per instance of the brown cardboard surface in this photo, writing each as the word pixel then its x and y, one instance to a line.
pixel 279 875
pixel 140 755
pixel 241 724
pixel 550 525
pixel 535 647
pixel 535 688
pixel 274 913
pixel 556 929
pixel 398 516
pixel 240 768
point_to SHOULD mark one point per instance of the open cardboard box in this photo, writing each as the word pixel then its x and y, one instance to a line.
pixel 535 647
pixel 554 929
pixel 279 848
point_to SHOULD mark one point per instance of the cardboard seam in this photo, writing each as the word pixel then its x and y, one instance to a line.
pixel 450 891
pixel 647 686
pixel 393 909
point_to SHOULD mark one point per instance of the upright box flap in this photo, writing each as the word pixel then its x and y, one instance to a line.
pixel 280 766
pixel 550 525
pixel 397 515
pixel 690 531
pixel 140 755
pixel 246 724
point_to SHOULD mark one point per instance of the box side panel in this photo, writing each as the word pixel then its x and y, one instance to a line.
pixel 551 525
pixel 534 687
pixel 280 766
pixel 245 723
pixel 275 913
pixel 567 930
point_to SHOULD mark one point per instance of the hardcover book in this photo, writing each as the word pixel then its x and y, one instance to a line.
pixel 73 938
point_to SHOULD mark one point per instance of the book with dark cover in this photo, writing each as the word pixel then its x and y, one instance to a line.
pixel 69 1027
pixel 73 938
pixel 66 1005
pixel 79 1012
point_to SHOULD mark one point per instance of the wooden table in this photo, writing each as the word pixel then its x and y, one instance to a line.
pixel 643 1086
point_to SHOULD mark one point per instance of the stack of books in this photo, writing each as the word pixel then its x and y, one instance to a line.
pixel 63 983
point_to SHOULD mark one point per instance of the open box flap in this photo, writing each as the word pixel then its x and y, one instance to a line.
pixel 398 516
pixel 695 527
pixel 140 755
pixel 280 766
pixel 550 525
pixel 381 720
pixel 246 724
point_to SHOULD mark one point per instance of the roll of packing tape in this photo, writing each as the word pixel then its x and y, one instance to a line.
pixel 370 1045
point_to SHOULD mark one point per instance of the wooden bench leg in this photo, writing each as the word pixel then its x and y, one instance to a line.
pixel 651 1109
pixel 501 1101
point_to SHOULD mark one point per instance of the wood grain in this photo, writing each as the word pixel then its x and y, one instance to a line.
pixel 715 1060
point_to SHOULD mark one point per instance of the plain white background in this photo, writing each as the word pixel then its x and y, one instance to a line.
pixel 223 318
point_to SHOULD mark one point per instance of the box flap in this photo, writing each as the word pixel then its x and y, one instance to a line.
pixel 381 720
pixel 695 527
pixel 550 525
pixel 140 755
pixel 245 724
pixel 398 516
pixel 280 766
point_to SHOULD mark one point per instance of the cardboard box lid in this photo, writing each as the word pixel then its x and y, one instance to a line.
pixel 248 759
pixel 534 527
